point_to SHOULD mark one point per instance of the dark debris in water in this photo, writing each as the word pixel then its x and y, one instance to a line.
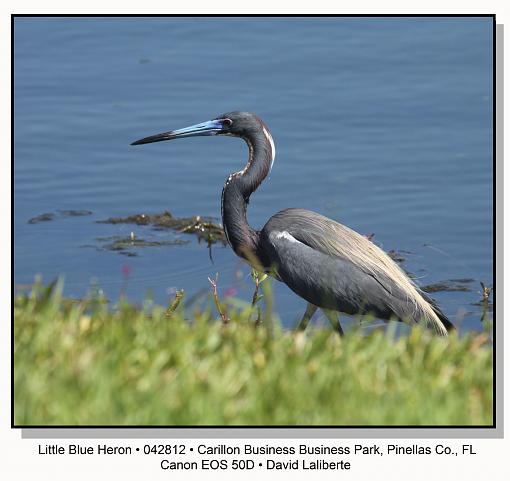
pixel 74 213
pixel 450 285
pixel 203 227
pixel 124 245
pixel 47 216
pixel 397 256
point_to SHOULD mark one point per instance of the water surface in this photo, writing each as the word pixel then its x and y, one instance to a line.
pixel 382 124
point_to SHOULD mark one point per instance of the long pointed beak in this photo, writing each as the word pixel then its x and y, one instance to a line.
pixel 211 127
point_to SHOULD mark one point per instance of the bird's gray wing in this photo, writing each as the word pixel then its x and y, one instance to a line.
pixel 360 262
pixel 338 241
pixel 327 281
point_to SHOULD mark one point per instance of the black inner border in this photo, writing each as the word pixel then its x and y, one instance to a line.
pixel 259 426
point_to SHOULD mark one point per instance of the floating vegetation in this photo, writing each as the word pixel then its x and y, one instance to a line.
pixel 74 213
pixel 450 285
pixel 397 256
pixel 47 216
pixel 203 227
pixel 124 245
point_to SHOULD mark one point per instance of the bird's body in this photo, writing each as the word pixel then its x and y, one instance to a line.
pixel 321 260
pixel 343 270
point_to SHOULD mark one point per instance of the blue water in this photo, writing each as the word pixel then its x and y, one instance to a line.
pixel 384 124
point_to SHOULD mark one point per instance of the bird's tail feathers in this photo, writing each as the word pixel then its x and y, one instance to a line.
pixel 444 320
pixel 440 323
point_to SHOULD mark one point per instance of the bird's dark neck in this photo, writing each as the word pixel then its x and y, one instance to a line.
pixel 238 188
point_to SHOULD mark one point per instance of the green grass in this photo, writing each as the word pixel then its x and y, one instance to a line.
pixel 83 363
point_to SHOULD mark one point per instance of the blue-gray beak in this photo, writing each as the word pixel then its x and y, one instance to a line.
pixel 211 127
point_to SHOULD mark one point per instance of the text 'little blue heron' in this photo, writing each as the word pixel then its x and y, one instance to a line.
pixel 324 262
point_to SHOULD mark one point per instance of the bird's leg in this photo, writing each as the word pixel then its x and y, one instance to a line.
pixel 334 321
pixel 310 311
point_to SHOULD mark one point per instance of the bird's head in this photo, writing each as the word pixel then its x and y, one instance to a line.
pixel 238 124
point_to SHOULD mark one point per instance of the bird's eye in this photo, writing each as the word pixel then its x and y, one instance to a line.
pixel 227 122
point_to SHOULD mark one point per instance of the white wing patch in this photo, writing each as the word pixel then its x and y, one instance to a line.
pixel 284 235
pixel 271 142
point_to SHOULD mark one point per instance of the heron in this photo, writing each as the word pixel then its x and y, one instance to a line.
pixel 331 266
